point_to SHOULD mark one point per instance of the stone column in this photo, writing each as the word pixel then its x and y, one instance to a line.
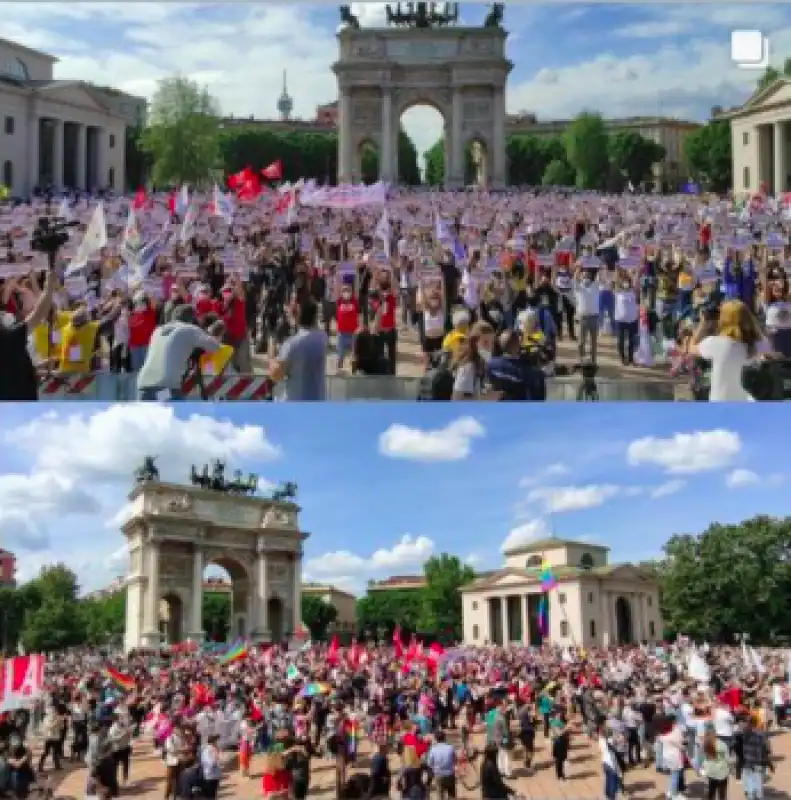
pixel 604 633
pixel 525 620
pixel 151 634
pixel 33 145
pixel 345 166
pixel 81 178
pixel 613 622
pixel 196 603
pixel 386 147
pixel 505 618
pixel 497 156
pixel 455 146
pixel 297 577
pixel 101 157
pixel 57 153
pixel 261 621
pixel 781 173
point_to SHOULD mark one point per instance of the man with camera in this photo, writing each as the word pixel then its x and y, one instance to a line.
pixel 514 373
pixel 18 382
pixel 174 350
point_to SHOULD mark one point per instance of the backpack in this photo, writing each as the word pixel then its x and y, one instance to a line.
pixel 437 384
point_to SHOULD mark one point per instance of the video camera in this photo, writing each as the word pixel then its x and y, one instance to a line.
pixel 51 234
pixel 587 392
pixel 768 381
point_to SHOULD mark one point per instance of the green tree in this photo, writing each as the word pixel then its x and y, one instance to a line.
pixel 57 582
pixel 104 618
pixel 586 143
pixel 369 162
pixel 730 579
pixel 529 156
pixel 317 615
pixel 441 608
pixel 708 154
pixel 216 611
pixel 181 137
pixel 771 74
pixel 634 156
pixel 434 163
pixel 558 173
pixel 383 610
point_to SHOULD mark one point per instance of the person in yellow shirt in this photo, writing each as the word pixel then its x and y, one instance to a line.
pixel 78 342
pixel 461 330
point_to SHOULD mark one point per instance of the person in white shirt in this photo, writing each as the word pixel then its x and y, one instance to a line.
pixel 612 771
pixel 738 340
pixel 626 314
pixel 722 719
pixel 586 293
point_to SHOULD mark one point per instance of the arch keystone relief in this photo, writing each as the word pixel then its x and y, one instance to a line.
pixel 460 71
pixel 174 531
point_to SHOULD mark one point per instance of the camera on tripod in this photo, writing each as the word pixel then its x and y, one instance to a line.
pixel 51 234
pixel 768 381
pixel 587 391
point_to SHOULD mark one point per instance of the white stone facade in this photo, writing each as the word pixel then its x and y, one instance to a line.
pixel 61 133
pixel 594 604
pixel 761 141
pixel 175 531
pixel 461 72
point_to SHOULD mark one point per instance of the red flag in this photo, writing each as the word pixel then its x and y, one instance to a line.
pixel 354 654
pixel 250 189
pixel 435 653
pixel 412 650
pixel 332 653
pixel 274 172
pixel 237 181
pixel 141 199
pixel 172 198
pixel 397 643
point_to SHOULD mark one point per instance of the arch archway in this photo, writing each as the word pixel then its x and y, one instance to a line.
pixel 623 621
pixel 476 162
pixel 276 617
pixel 422 134
pixel 462 71
pixel 171 618
pixel 226 599
pixel 368 158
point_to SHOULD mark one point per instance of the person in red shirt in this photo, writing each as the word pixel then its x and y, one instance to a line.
pixel 347 317
pixel 205 304
pixel 234 314
pixel 276 780
pixel 383 305
pixel 142 322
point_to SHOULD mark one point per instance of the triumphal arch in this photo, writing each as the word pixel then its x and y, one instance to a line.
pixel 423 57
pixel 174 531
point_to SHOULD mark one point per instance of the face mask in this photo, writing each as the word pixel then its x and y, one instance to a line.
pixel 346 296
pixel 626 286
pixel 586 281
pixel 486 355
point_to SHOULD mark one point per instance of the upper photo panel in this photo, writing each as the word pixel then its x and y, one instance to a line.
pixel 405 201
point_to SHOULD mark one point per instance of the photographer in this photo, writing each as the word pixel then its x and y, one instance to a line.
pixel 173 348
pixel 17 374
pixel 514 374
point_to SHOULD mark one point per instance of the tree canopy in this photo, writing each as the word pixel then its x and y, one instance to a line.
pixel 729 580
pixel 708 155
pixel 318 615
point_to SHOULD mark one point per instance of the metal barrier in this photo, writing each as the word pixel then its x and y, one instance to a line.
pixel 105 387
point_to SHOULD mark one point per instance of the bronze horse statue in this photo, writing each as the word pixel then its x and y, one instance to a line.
pixel 147 471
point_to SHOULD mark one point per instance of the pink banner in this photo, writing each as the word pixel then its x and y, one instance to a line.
pixel 21 681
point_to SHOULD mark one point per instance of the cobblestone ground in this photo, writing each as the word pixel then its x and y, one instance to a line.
pixel 583 777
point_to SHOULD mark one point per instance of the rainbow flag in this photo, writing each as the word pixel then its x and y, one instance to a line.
pixel 548 580
pixel 122 681
pixel 543 616
pixel 235 652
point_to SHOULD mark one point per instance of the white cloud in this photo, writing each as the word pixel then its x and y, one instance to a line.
pixel 686 453
pixel 342 567
pixel 106 446
pixel 451 443
pixel 556 499
pixel 668 488
pixel 739 478
pixel 524 534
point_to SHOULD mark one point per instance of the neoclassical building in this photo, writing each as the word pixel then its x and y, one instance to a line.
pixel 595 603
pixel 761 139
pixel 55 132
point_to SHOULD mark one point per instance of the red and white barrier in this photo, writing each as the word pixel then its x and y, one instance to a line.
pixel 234 388
pixel 60 385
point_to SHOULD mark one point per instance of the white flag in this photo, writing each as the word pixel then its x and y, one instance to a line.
pixel 384 232
pixel 94 239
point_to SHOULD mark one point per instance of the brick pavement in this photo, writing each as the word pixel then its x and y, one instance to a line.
pixel 583 772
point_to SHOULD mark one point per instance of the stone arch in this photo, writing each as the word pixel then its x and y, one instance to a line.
pixel 241 593
pixel 476 159
pixel 276 614
pixel 461 71
pixel 171 617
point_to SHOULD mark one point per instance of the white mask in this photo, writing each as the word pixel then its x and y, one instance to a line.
pixel 486 355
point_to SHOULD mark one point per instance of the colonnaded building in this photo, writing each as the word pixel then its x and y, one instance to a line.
pixel 594 604
pixel 57 132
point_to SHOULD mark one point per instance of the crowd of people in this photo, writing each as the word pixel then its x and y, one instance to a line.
pixel 485 284
pixel 463 722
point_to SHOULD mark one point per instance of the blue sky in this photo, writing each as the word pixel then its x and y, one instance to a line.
pixel 384 486
pixel 620 59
